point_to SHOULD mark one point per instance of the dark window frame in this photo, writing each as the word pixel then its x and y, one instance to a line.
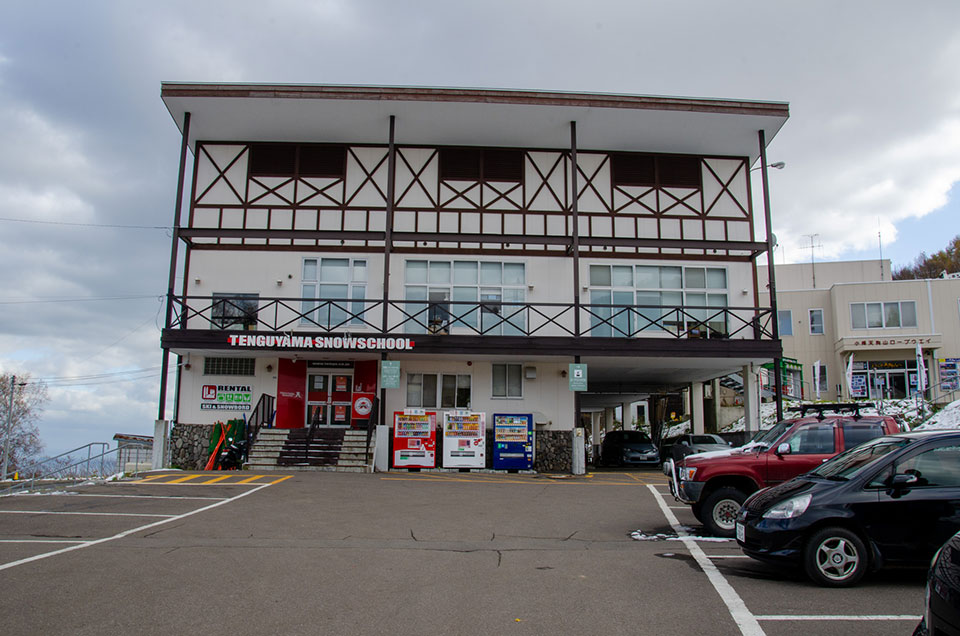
pixel 481 164
pixel 656 171
pixel 306 160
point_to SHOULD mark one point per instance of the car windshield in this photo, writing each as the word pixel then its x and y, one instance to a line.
pixel 768 436
pixel 636 437
pixel 851 462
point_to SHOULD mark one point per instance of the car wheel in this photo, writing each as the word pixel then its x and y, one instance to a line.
pixel 835 557
pixel 720 509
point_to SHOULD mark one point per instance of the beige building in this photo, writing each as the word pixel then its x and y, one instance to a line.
pixel 851 315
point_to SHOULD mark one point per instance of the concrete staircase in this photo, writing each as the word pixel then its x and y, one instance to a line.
pixel 336 450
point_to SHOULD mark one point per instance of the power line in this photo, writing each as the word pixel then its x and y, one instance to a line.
pixel 72 224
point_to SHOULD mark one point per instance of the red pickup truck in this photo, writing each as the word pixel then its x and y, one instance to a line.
pixel 715 484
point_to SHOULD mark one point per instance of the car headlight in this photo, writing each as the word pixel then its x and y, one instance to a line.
pixel 687 473
pixel 789 509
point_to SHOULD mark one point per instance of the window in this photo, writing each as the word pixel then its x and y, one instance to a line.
pixel 507 381
pixel 883 315
pixel 785 322
pixel 630 299
pixel 665 171
pixel 937 467
pixel 297 160
pixel 235 311
pixel 486 297
pixel 481 164
pixel 229 366
pixel 333 291
pixel 816 322
pixel 856 433
pixel 813 440
pixel 454 390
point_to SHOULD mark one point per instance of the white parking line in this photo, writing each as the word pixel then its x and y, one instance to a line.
pixel 125 533
pixel 727 556
pixel 745 620
pixel 143 497
pixel 90 514
pixel 839 617
pixel 38 541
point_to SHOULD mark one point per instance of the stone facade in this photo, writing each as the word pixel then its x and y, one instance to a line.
pixel 554 453
pixel 188 446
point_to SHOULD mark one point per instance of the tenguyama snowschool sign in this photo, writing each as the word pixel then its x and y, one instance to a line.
pixel 328 343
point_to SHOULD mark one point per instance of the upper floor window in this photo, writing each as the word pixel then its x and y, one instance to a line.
pixel 507 381
pixel 816 322
pixel 883 315
pixel 481 164
pixel 665 171
pixel 785 322
pixel 297 160
pixel 333 290
pixel 656 298
pixel 235 311
pixel 485 296
pixel 425 389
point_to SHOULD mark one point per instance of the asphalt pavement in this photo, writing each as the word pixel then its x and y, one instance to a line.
pixel 404 554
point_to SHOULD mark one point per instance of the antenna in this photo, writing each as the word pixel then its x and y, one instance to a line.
pixel 813 268
pixel 880 243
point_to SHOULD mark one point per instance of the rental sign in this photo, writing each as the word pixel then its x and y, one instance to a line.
pixel 337 343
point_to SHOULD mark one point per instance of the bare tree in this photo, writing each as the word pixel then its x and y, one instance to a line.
pixel 19 434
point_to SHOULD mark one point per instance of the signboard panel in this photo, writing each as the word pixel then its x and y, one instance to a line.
pixel 389 374
pixel 414 439
pixel 578 377
pixel 464 439
pixel 512 441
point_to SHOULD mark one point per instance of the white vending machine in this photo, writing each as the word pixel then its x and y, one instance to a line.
pixel 464 439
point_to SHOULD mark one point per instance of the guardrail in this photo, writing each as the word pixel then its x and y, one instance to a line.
pixel 66 468
pixel 483 318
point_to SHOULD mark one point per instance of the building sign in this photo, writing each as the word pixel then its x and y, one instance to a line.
pixel 464 439
pixel 898 343
pixel 337 343
pixel 389 374
pixel 225 397
pixel 578 377
pixel 949 374
pixel 858 385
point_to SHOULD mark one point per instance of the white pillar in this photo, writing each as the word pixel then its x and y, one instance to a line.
pixel 579 455
pixel 609 415
pixel 595 433
pixel 381 451
pixel 628 416
pixel 159 444
pixel 696 403
pixel 751 399
pixel 715 384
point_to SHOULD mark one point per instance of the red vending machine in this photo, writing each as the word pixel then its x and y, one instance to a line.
pixel 414 439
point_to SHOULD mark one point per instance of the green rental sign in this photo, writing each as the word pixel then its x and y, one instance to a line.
pixel 389 374
pixel 578 377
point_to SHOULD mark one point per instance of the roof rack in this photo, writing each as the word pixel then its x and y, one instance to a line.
pixel 834 407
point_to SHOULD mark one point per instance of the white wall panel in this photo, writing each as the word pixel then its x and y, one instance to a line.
pixel 305 220
pixel 360 190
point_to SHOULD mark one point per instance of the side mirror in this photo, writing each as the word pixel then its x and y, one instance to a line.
pixel 684 442
pixel 783 449
pixel 903 480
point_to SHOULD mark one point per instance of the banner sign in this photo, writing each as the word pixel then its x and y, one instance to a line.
pixel 389 374
pixel 337 343
pixel 949 374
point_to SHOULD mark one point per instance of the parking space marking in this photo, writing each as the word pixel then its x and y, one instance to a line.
pixel 182 479
pixel 85 494
pixel 125 533
pixel 38 541
pixel 221 480
pixel 89 514
pixel 839 617
pixel 743 617
pixel 216 479
pixel 247 480
pixel 727 556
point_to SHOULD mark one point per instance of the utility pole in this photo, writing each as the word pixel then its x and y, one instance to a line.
pixel 6 438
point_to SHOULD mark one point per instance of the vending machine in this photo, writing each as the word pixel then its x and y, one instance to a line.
pixel 414 439
pixel 464 439
pixel 513 441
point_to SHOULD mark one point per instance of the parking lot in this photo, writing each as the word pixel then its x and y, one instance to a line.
pixel 404 553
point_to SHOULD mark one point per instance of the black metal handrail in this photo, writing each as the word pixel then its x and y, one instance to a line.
pixel 512 318
pixel 261 415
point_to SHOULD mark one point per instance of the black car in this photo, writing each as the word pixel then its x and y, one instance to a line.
pixel 628 448
pixel 892 500
pixel 941 611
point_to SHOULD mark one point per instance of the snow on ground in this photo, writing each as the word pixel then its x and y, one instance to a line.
pixel 949 417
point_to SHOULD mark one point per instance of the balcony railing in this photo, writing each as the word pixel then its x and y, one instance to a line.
pixel 477 318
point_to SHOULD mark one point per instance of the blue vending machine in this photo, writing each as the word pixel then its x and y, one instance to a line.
pixel 513 441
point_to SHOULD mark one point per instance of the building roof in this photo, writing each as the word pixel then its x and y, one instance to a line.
pixel 468 116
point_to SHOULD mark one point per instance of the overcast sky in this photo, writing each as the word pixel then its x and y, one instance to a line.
pixel 872 145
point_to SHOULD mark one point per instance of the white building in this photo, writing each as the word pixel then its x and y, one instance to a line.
pixel 328 228
pixel 833 314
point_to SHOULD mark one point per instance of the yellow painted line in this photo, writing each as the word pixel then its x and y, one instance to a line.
pixel 249 479
pixel 283 478
pixel 182 479
pixel 151 478
pixel 214 480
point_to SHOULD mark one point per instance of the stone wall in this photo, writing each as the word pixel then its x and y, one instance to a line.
pixel 188 445
pixel 554 452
